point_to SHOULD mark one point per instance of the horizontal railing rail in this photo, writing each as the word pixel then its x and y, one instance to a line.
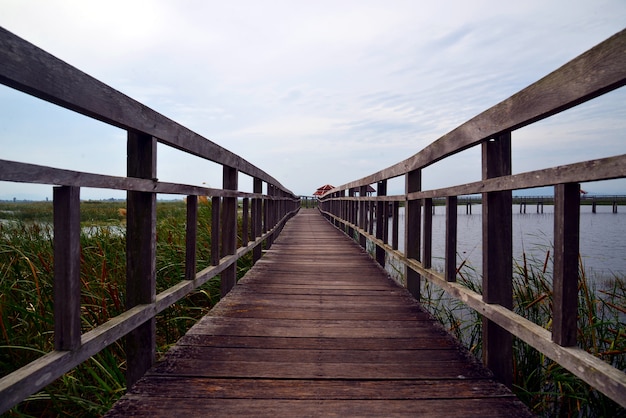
pixel 31 70
pixel 376 218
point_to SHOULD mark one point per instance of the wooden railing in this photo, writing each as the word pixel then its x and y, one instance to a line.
pixel 596 72
pixel 25 67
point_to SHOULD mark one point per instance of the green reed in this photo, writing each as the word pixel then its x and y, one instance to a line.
pixel 542 384
pixel 26 303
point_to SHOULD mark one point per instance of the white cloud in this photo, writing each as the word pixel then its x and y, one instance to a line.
pixel 346 87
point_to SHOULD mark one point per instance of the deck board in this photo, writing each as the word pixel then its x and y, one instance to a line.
pixel 316 328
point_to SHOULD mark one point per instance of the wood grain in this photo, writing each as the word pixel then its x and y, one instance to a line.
pixel 316 328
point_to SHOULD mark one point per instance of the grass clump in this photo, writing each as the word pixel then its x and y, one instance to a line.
pixel 547 388
pixel 26 299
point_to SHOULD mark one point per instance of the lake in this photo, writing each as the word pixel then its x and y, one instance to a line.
pixel 602 237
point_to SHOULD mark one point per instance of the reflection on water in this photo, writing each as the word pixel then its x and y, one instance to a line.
pixel 602 238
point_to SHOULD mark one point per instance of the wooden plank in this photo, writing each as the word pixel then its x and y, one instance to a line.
pixel 294 349
pixel 346 356
pixel 202 367
pixel 318 389
pixel 462 408
pixel 415 342
pixel 320 314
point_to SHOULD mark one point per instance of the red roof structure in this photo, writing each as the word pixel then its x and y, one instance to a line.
pixel 321 190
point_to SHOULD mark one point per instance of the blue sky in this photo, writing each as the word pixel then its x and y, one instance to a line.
pixel 312 92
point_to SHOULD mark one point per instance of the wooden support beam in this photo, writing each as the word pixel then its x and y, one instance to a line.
pixel 257 217
pixel 229 228
pixel 428 234
pixel 216 203
pixel 351 212
pixel 412 230
pixel 566 250
pixel 395 216
pixel 270 206
pixel 451 237
pixel 245 221
pixel 67 331
pixel 140 254
pixel 191 237
pixel 381 221
pixel 363 215
pixel 497 257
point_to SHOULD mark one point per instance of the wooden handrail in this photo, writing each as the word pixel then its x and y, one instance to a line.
pixel 598 71
pixel 25 67
pixel 32 70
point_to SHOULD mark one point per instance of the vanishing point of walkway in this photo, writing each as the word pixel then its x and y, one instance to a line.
pixel 316 328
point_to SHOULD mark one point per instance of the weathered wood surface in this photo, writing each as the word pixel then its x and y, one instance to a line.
pixel 317 329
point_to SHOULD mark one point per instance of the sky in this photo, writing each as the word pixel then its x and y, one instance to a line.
pixel 312 92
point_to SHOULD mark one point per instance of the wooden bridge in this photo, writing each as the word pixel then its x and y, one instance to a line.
pixel 315 328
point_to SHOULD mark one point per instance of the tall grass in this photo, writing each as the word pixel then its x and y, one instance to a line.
pixel 548 389
pixel 26 304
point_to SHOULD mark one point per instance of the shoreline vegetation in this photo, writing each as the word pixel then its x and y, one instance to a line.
pixel 543 385
pixel 26 272
pixel 26 300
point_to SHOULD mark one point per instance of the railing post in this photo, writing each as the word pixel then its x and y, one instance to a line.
pixel 257 217
pixel 341 210
pixel 140 254
pixel 412 230
pixel 191 237
pixel 351 212
pixel 216 203
pixel 362 215
pixel 229 229
pixel 67 333
pixel 270 204
pixel 566 249
pixel 381 221
pixel 451 237
pixel 396 227
pixel 245 222
pixel 267 214
pixel 497 256
pixel 428 234
pixel 370 209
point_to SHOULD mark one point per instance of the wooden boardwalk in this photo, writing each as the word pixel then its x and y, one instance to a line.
pixel 316 328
